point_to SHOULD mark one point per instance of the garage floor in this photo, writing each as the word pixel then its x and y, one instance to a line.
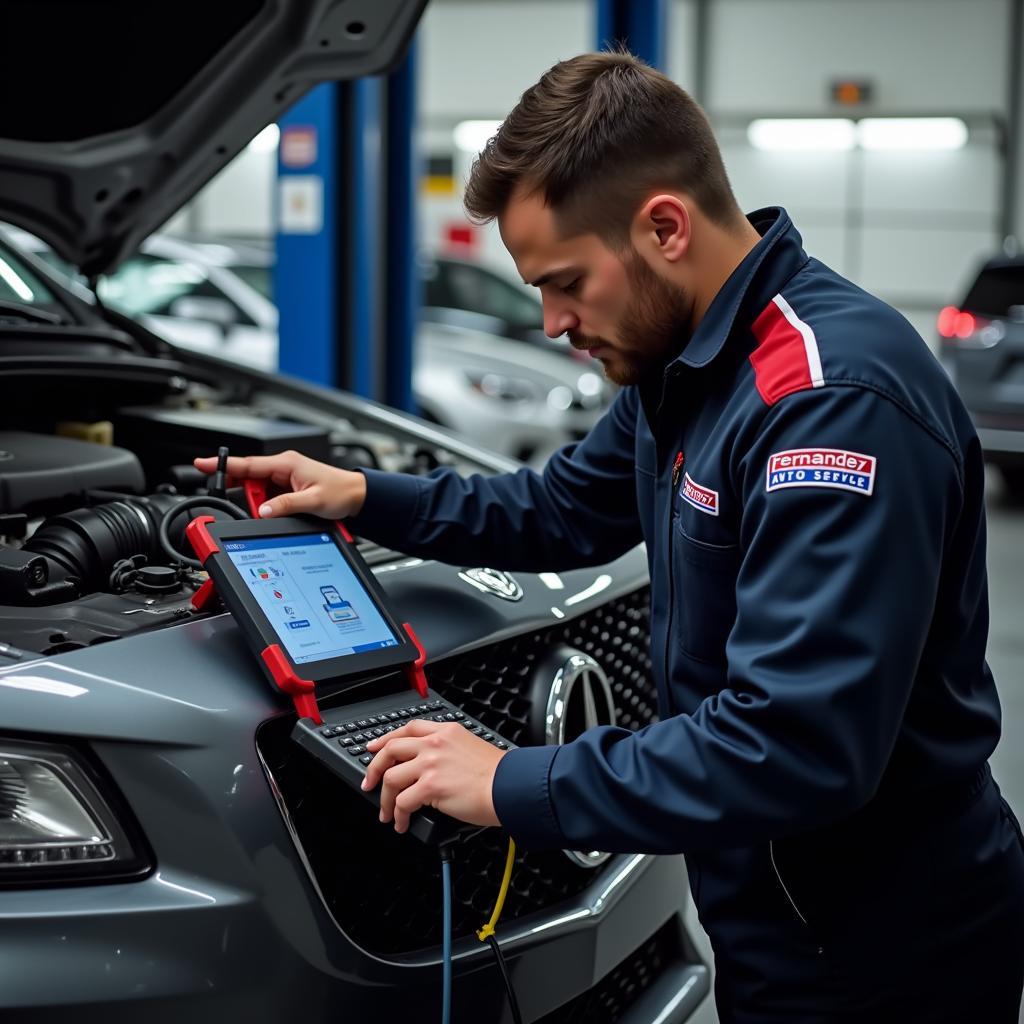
pixel 1005 655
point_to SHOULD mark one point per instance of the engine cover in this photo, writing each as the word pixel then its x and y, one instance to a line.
pixel 37 470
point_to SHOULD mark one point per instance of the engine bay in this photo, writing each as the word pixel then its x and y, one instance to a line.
pixel 93 509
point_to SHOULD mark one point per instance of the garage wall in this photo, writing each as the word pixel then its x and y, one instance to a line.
pixel 910 227
pixel 926 56
pixel 475 58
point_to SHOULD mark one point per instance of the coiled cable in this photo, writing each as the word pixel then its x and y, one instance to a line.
pixel 199 501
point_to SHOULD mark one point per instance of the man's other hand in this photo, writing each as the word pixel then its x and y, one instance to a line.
pixel 433 764
pixel 311 487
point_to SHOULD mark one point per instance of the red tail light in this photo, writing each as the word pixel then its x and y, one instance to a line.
pixel 957 323
pixel 947 321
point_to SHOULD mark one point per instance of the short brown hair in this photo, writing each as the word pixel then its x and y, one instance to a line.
pixel 594 136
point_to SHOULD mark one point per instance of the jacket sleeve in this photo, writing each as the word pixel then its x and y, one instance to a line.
pixel 835 594
pixel 580 511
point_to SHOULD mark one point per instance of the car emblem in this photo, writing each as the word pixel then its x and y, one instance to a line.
pixel 491 581
pixel 580 698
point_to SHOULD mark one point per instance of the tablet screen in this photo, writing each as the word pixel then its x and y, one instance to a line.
pixel 313 599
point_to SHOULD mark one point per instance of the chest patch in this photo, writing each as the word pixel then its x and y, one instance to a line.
pixel 821 467
pixel 699 497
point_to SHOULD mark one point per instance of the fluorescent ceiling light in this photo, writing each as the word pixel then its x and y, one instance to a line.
pixel 472 136
pixel 912 133
pixel 267 140
pixel 829 133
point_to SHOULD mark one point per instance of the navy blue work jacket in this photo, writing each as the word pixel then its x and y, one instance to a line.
pixel 810 490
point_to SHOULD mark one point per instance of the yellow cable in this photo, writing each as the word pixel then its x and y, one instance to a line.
pixel 488 929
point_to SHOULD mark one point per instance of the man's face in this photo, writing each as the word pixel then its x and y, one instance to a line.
pixel 616 307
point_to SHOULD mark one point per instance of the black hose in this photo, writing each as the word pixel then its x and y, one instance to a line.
pixel 199 501
pixel 513 1003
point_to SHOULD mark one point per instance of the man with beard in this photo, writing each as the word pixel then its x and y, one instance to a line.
pixel 810 490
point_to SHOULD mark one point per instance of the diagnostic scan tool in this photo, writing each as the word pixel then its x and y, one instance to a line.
pixel 313 613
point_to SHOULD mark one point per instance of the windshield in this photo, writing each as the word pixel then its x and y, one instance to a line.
pixel 149 285
pixel 999 291
pixel 19 284
pixel 464 286
pixel 258 278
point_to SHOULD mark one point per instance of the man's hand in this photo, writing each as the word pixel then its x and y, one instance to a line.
pixel 434 764
pixel 312 487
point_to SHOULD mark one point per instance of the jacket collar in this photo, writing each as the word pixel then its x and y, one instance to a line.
pixel 750 287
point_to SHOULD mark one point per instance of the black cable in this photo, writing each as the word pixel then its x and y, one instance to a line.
pixel 124 572
pixel 219 487
pixel 199 501
pixel 517 1017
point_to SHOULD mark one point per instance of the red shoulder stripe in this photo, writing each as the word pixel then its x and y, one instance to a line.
pixel 786 358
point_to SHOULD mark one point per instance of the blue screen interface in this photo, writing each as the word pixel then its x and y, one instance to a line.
pixel 311 596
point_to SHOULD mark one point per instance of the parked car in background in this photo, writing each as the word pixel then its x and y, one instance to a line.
pixel 467 294
pixel 217 297
pixel 982 347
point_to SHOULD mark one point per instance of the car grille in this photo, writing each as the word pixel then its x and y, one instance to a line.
pixel 623 985
pixel 384 890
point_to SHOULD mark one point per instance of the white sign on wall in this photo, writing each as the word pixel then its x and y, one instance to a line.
pixel 300 204
pixel 298 145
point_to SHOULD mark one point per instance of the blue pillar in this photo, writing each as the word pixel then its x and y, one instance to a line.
pixel 639 24
pixel 305 273
pixel 345 284
pixel 363 188
pixel 404 296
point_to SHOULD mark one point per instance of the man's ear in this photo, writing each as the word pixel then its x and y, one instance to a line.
pixel 662 228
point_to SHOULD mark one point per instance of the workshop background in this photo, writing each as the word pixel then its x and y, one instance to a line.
pixel 889 129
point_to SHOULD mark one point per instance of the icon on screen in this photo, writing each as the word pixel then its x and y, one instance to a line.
pixel 337 609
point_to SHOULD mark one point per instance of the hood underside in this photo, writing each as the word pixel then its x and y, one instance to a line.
pixel 118 112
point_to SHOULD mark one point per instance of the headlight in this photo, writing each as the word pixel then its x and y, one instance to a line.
pixel 54 824
pixel 505 389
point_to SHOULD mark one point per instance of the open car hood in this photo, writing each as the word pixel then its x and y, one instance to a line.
pixel 118 112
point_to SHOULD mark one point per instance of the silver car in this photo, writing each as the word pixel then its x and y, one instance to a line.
pixel 521 400
pixel 167 853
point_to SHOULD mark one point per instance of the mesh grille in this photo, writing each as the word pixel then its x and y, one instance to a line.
pixel 385 890
pixel 493 683
pixel 620 988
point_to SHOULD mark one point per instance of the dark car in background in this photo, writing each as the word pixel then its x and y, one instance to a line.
pixel 982 347
pixel 167 852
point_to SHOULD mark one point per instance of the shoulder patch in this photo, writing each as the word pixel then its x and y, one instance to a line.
pixel 786 358
pixel 821 467
pixel 699 496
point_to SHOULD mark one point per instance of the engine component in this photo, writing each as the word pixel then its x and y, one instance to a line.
pixel 100 432
pixel 25 577
pixel 201 506
pixel 157 579
pixel 164 437
pixel 81 547
pixel 13 526
pixel 92 619
pixel 38 471
pixel 354 455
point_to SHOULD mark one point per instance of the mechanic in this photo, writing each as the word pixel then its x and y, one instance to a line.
pixel 810 490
